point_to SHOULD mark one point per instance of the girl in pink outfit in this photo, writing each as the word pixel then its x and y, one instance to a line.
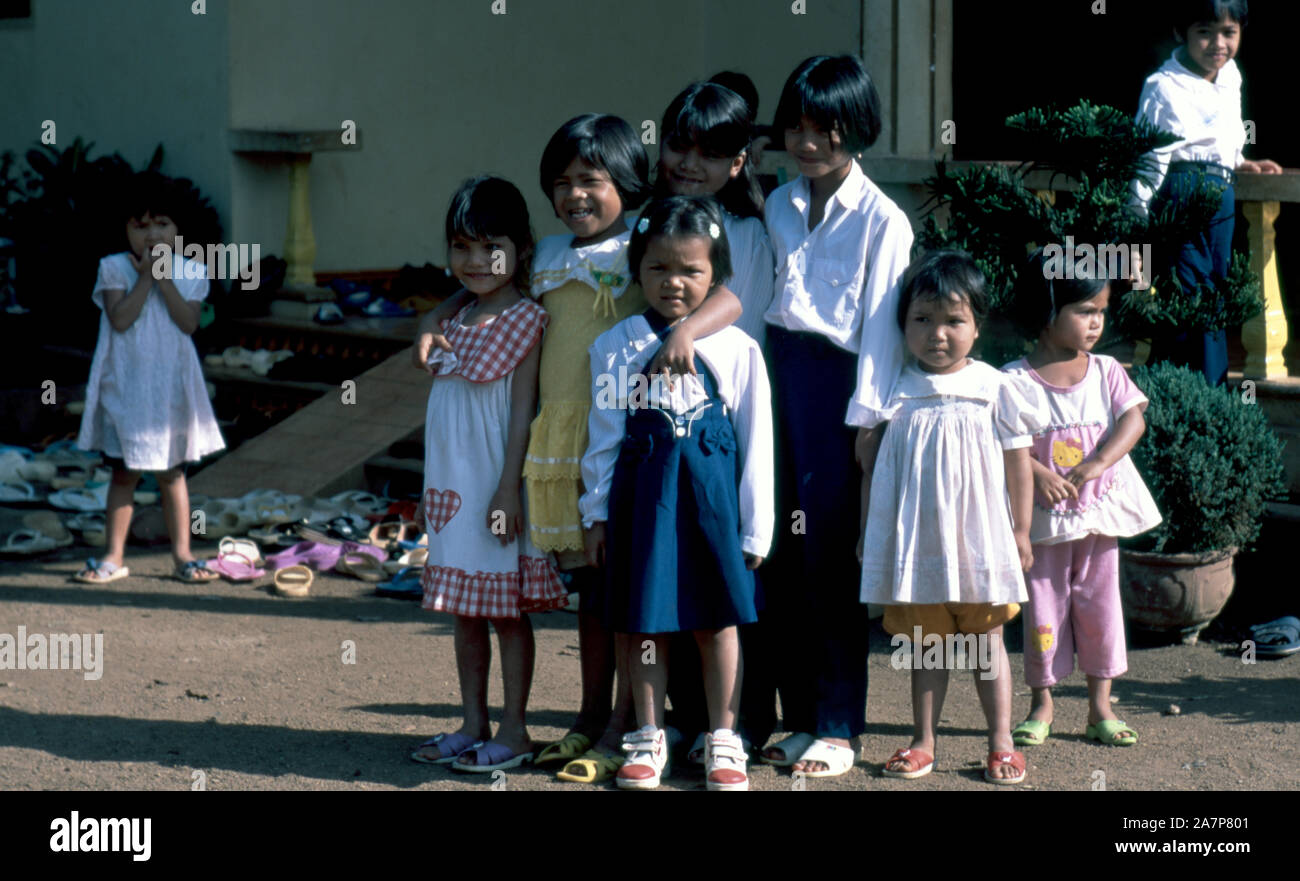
pixel 1087 494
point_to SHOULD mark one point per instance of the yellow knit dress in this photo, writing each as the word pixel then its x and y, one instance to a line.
pixel 586 291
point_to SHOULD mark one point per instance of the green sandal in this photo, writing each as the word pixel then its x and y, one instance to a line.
pixel 1031 732
pixel 1113 732
pixel 566 749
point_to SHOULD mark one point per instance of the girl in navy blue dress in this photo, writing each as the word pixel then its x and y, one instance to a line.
pixel 679 486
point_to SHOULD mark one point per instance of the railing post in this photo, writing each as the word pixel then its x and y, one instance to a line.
pixel 1264 336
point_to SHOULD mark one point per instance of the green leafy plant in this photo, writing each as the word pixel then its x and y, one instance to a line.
pixel 1210 460
pixel 1093 153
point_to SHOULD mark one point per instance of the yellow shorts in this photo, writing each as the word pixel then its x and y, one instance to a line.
pixel 946 619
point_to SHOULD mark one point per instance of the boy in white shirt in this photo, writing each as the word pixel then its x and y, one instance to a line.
pixel 1196 94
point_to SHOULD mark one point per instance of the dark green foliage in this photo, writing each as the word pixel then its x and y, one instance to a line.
pixel 1097 151
pixel 61 215
pixel 1209 458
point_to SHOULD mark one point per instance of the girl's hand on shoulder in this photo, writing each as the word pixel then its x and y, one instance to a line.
pixel 1054 487
pixel 753 561
pixel 505 515
pixel 1082 473
pixel 593 543
pixel 1025 549
pixel 676 357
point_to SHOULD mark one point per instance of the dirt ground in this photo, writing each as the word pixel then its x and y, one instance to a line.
pixel 252 690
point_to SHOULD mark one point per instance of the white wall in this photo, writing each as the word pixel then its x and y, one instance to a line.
pixel 444 90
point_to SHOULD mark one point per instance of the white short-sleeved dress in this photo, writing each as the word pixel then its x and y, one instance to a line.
pixel 939 521
pixel 467 424
pixel 146 401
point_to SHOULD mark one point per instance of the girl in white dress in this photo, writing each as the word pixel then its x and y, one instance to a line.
pixel 147 405
pixel 482 567
pixel 947 554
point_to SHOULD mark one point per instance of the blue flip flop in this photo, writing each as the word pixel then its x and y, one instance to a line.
pixel 404 586
pixel 1277 639
pixel 449 746
pixel 499 758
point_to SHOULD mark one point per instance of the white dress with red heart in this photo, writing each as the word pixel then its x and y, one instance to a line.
pixel 470 571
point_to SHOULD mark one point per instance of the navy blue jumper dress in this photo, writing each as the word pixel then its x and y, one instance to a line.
pixel 673 558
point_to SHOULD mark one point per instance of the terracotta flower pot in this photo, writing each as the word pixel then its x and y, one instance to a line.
pixel 1175 593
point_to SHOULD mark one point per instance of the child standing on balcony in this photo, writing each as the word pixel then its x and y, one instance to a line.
pixel 1196 95
pixel 1087 494
pixel 942 550
pixel 147 405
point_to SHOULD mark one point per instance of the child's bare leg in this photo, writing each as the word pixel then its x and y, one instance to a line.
pixel 1041 706
pixel 649 662
pixel 993 685
pixel 117 514
pixel 621 717
pixel 473 660
pixel 929 689
pixel 1099 700
pixel 175 494
pixel 723 674
pixel 518 652
pixel 597 660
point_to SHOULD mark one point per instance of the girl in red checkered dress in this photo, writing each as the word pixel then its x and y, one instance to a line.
pixel 482 565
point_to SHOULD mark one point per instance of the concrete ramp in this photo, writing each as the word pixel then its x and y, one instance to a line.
pixel 323 448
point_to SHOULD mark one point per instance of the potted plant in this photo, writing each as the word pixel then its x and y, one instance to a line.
pixel 1212 463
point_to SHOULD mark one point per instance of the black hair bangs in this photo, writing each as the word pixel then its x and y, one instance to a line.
pixel 602 141
pixel 837 94
pixel 687 216
pixel 712 116
pixel 942 275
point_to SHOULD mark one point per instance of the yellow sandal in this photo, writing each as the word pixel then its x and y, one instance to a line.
pixel 593 767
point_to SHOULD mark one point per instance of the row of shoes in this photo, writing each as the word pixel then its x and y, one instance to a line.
pixel 260 361
pixel 76 478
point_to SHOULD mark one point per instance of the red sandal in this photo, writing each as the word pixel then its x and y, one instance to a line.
pixel 998 760
pixel 918 761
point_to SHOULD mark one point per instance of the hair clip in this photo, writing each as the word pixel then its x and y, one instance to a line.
pixel 642 225
pixel 714 232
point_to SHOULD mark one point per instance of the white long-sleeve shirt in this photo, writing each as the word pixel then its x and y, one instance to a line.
pixel 840 279
pixel 1205 115
pixel 753 272
pixel 623 352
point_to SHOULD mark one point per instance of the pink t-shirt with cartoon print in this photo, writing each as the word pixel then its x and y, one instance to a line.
pixel 1117 503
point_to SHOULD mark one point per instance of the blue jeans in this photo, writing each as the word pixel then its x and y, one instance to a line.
pixel 1202 259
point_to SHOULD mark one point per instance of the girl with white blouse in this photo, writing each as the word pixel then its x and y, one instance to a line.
pixel 834 352
pixel 678 478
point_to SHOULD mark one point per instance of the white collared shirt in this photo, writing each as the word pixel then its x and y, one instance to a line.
pixel 1206 115
pixel 623 352
pixel 752 272
pixel 841 279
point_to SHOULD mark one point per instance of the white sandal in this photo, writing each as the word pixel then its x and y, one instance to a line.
pixel 647 759
pixel 792 747
pixel 837 759
pixel 724 762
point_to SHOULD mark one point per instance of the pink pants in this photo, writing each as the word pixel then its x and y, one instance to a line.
pixel 1074 607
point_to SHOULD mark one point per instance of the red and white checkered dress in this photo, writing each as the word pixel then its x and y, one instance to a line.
pixel 470 572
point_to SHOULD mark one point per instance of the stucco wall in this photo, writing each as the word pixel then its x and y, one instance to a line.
pixel 443 90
